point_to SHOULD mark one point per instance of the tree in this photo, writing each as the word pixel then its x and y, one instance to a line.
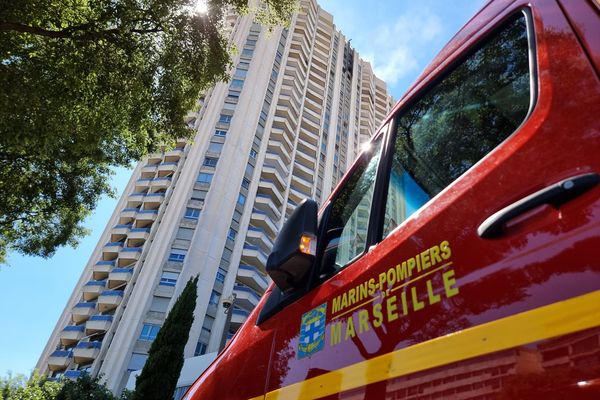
pixel 86 388
pixel 90 85
pixel 37 387
pixel 158 379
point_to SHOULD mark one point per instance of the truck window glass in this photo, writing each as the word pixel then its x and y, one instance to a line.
pixel 458 121
pixel 348 221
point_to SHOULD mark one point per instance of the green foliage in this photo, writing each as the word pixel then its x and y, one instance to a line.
pixel 35 388
pixel 158 379
pixel 89 85
pixel 38 387
pixel 84 388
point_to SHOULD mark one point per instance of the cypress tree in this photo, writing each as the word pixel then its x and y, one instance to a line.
pixel 158 379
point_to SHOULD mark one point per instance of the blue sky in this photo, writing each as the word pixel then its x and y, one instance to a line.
pixel 399 37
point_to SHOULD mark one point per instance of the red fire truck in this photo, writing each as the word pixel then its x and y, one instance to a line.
pixel 459 258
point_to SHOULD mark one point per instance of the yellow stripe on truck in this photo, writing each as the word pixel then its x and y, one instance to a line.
pixel 553 320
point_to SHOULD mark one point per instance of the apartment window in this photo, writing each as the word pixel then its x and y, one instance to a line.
pixel 247 53
pixel 192 213
pixel 160 304
pixel 221 273
pixel 185 233
pixel 214 298
pixel 149 332
pixel 177 255
pixel 246 183
pixel 200 349
pixel 136 362
pixel 210 162
pixel 236 84
pixel 232 233
pixel 240 73
pixel 220 132
pixel 229 105
pixel 199 194
pixel 168 278
pixel 215 147
pixel 233 93
pixel 204 177
pixel 244 65
pixel 226 255
pixel 225 118
pixel 241 199
pixel 253 153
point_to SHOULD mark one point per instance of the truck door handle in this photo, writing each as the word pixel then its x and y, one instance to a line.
pixel 555 194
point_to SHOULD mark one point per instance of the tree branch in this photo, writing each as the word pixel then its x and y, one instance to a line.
pixel 7 26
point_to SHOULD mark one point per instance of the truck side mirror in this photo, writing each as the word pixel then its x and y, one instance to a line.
pixel 295 247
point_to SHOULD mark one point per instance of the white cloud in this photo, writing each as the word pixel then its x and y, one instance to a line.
pixel 395 50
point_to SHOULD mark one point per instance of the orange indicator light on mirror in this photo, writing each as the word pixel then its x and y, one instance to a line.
pixel 308 244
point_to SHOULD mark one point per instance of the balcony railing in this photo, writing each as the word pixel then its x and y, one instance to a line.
pixel 88 345
pixel 72 374
pixel 109 299
pixel 252 277
pixel 102 268
pixel 71 334
pixel 101 318
pixel 98 323
pixel 86 351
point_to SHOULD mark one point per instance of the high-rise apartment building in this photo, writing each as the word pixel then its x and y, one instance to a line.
pixel 287 126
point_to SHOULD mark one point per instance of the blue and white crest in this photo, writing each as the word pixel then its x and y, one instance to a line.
pixel 312 331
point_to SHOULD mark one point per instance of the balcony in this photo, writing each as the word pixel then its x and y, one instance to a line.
pixel 155 158
pixel 109 300
pixel 59 360
pixel 146 216
pixel 149 170
pixel 260 219
pixel 86 352
pixel 167 168
pixel 119 232
pixel 153 200
pixel 119 276
pixel 92 289
pixel 245 297
pixel 264 203
pixel 303 184
pixel 142 184
pixel 111 250
pixel 98 324
pixel 253 255
pixel 268 187
pixel 82 311
pixel 297 196
pixel 273 174
pixel 135 199
pixel 258 237
pixel 252 277
pixel 173 155
pixel 71 334
pixel 72 374
pixel 127 215
pixel 161 183
pixel 137 236
pixel 130 253
pixel 101 269
pixel 238 317
pixel 125 263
